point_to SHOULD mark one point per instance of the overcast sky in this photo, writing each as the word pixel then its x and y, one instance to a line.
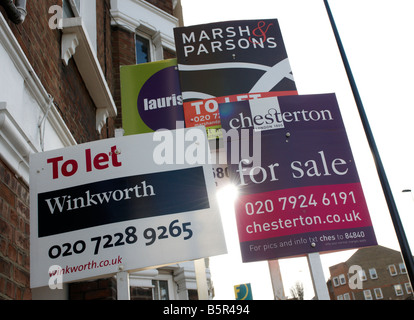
pixel 378 39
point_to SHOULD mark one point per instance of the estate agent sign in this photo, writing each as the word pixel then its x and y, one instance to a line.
pixel 304 194
pixel 230 61
pixel 120 203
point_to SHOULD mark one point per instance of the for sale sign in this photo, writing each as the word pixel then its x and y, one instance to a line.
pixel 302 193
pixel 227 62
pixel 127 203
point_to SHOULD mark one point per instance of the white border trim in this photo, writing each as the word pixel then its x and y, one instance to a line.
pixel 139 15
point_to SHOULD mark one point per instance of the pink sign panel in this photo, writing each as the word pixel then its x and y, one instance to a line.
pixel 302 193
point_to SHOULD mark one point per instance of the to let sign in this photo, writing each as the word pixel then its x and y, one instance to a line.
pixel 303 194
pixel 116 203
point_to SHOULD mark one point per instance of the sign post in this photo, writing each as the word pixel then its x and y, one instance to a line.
pixel 276 277
pixel 201 278
pixel 122 285
pixel 318 278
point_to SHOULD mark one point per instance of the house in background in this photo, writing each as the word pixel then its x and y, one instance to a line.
pixel 60 86
pixel 381 272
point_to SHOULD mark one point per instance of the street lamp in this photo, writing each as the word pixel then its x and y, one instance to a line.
pixel 392 207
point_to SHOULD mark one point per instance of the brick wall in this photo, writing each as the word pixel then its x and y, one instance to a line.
pixel 105 56
pixel 14 237
pixel 42 47
pixel 123 52
pixel 165 5
pixel 377 257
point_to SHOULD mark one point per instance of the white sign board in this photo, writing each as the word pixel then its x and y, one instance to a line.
pixel 127 203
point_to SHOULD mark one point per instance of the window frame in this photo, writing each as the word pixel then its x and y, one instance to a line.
pixel 151 50
pixel 392 267
pixel 373 273
pixel 342 279
pixel 367 294
pixel 335 281
pixel 362 275
pixel 398 290
pixel 166 277
pixel 74 6
pixel 157 290
pixel 408 288
pixel 380 295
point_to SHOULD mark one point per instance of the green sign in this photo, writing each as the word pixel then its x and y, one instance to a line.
pixel 151 97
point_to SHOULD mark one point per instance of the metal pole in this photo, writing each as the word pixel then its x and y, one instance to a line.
pixel 201 279
pixel 399 230
pixel 122 284
pixel 318 277
pixel 276 277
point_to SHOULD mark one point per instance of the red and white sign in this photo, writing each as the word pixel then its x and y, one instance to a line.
pixel 104 206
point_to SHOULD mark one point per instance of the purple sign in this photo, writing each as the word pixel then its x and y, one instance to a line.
pixel 161 105
pixel 303 195
pixel 151 97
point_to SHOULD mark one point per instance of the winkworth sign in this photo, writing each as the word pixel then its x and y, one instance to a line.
pixel 126 203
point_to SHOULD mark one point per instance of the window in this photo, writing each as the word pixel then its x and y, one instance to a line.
pixel 362 275
pixel 367 295
pixel 336 281
pixel 392 269
pixel 373 273
pixel 192 294
pixel 398 290
pixel 143 50
pixel 140 293
pixel 342 279
pixel 71 8
pixel 160 290
pixel 347 296
pixel 408 288
pixel 402 268
pixel 340 297
pixel 378 293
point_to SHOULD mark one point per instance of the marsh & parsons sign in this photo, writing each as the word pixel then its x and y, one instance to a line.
pixel 126 203
pixel 230 61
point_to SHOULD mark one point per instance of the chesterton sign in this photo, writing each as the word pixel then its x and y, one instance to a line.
pixel 103 206
pixel 303 195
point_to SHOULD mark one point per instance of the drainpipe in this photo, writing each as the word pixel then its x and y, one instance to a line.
pixel 15 12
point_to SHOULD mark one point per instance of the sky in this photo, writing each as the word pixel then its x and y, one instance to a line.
pixel 377 36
